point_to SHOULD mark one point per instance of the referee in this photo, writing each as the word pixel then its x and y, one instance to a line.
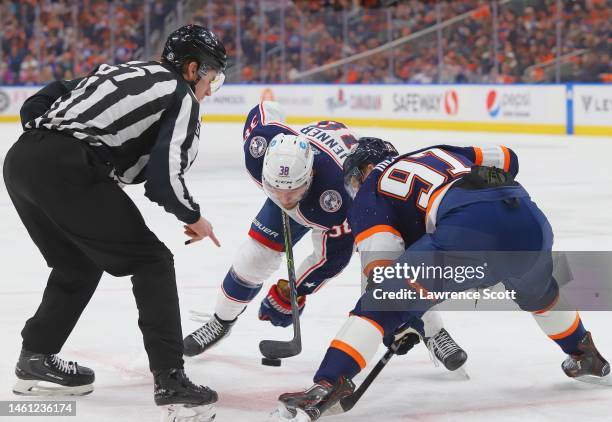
pixel 131 123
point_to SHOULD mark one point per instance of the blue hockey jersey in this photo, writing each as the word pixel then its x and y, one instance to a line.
pixel 325 206
pixel 399 200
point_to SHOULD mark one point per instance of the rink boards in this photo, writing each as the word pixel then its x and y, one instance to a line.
pixel 581 109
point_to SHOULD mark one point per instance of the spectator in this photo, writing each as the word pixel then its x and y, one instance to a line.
pixel 314 34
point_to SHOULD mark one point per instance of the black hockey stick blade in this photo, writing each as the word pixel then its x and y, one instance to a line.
pixel 275 349
pixel 280 349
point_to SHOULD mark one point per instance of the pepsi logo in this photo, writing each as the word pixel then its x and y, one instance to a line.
pixel 493 103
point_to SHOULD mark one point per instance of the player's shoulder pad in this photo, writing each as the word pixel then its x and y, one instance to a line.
pixel 266 113
pixel 264 122
pixel 331 138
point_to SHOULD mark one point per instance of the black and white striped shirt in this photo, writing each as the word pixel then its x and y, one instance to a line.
pixel 145 116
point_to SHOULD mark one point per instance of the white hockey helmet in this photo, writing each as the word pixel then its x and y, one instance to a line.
pixel 287 169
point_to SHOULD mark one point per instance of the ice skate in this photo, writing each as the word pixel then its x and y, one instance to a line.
pixel 207 336
pixel 321 399
pixel 444 349
pixel 42 374
pixel 182 400
pixel 589 366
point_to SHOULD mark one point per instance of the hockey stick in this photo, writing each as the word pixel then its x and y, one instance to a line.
pixel 274 349
pixel 347 403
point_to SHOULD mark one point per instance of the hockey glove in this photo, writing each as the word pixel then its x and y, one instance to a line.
pixel 276 306
pixel 406 336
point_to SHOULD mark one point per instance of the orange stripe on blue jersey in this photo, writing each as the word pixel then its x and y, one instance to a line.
pixel 506 158
pixel 376 263
pixel 380 228
pixel 478 155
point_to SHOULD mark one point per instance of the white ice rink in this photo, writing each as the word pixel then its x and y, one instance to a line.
pixel 515 370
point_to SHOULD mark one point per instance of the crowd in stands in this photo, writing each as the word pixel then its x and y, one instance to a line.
pixel 49 39
pixel 42 40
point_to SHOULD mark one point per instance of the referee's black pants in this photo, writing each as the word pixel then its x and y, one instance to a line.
pixel 84 224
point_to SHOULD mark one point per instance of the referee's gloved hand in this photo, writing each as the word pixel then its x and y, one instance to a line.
pixel 199 230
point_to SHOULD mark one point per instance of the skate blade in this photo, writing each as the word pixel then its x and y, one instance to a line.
pixel 187 413
pixel 44 388
pixel 282 414
pixel 462 372
pixel 592 379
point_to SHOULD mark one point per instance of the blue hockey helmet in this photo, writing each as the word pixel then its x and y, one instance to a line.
pixel 368 151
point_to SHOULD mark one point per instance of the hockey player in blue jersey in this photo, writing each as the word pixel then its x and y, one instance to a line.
pixel 301 173
pixel 422 204
pixel 311 192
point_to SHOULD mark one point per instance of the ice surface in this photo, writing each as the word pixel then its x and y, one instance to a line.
pixel 515 370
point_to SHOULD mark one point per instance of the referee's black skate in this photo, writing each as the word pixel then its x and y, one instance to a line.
pixel 40 374
pixel 181 398
pixel 207 336
pixel 589 366
pixel 321 399
pixel 446 350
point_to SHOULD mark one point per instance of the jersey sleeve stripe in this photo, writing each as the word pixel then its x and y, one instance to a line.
pixel 431 212
pixel 311 223
pixel 506 158
pixel 258 237
pixel 182 139
pixel 478 154
pixel 320 263
pixel 377 263
pixel 376 229
pixel 494 156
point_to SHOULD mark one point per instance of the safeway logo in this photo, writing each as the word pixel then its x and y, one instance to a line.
pixel 451 102
pixel 493 103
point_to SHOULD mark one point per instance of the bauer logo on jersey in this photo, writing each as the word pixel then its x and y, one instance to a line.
pixel 330 201
pixel 258 146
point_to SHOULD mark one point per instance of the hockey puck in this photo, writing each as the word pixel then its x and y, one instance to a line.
pixel 271 361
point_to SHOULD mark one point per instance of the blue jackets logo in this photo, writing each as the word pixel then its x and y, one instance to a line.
pixel 258 146
pixel 330 201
